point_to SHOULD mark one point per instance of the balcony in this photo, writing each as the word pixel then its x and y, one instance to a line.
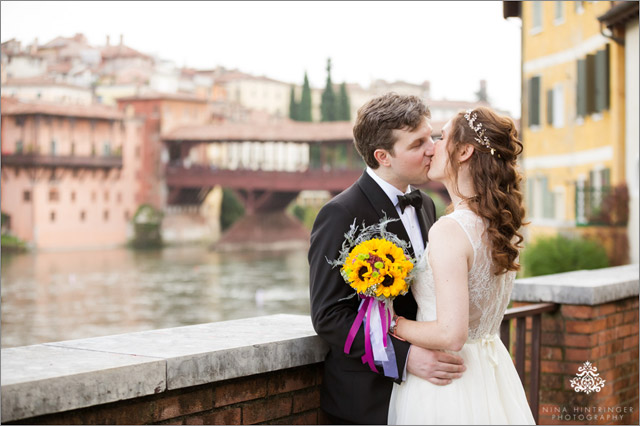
pixel 68 161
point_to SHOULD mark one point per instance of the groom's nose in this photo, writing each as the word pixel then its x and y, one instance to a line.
pixel 430 148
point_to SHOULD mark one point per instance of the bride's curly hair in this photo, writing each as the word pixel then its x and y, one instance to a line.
pixel 496 181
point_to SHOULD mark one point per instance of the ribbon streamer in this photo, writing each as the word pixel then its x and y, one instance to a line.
pixel 377 320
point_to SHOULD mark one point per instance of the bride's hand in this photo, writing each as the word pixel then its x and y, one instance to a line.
pixel 437 367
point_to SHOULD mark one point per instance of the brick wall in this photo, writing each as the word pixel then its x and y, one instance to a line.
pixel 607 336
pixel 290 396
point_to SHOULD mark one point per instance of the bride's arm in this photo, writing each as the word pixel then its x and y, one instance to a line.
pixel 450 254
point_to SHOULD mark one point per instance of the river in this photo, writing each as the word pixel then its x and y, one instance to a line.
pixel 55 296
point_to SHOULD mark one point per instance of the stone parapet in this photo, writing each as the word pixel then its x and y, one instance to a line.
pixel 591 288
pixel 65 376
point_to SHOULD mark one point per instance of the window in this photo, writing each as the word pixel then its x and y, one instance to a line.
pixel 555 106
pixel 106 195
pixel 558 16
pixel 126 215
pixel 106 149
pixel 26 196
pixel 53 147
pixel 579 7
pixel 534 101
pixel 536 18
pixel 73 148
pixel 53 195
pixel 119 197
pixel 93 196
pixel 19 147
pixel 19 121
pixel 83 216
pixel 73 196
pixel 593 83
pixel 105 215
pixel 52 216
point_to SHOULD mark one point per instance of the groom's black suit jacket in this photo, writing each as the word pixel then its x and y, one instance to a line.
pixel 351 391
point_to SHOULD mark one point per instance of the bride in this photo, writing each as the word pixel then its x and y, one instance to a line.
pixel 465 279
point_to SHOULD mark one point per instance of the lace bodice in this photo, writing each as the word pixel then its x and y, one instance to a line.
pixel 488 294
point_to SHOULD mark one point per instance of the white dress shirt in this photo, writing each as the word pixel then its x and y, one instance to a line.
pixel 409 218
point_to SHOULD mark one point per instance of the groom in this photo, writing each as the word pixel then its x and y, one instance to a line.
pixel 393 135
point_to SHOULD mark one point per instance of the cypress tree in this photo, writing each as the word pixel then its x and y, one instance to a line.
pixel 304 111
pixel 293 106
pixel 344 104
pixel 328 103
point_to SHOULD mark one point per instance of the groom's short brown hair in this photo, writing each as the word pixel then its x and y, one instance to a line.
pixel 380 116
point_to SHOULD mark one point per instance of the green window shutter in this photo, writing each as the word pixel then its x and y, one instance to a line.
pixel 550 107
pixel 534 101
pixel 602 79
pixel 606 177
pixel 591 84
pixel 581 92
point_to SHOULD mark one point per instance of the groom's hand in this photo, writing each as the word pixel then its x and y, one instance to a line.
pixel 437 367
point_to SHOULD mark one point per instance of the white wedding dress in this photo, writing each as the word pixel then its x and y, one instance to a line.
pixel 490 390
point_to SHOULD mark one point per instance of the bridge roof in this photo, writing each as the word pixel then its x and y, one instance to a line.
pixel 284 131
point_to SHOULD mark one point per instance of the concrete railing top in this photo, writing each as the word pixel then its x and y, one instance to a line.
pixel 592 287
pixel 54 377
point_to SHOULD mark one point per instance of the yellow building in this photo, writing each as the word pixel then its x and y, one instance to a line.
pixel 573 112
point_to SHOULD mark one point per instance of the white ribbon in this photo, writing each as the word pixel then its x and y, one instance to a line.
pixel 490 342
pixel 377 335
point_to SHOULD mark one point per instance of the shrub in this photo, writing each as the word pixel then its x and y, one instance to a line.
pixel 552 255
pixel 231 209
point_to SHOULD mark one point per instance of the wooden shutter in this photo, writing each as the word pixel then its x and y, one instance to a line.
pixel 591 84
pixel 602 79
pixel 534 101
pixel 550 107
pixel 581 92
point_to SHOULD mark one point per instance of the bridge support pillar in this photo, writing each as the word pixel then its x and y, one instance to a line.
pixel 266 222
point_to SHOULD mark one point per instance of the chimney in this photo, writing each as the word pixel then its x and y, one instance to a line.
pixel 108 40
pixel 121 38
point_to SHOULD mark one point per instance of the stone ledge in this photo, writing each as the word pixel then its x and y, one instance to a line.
pixel 61 376
pixel 587 287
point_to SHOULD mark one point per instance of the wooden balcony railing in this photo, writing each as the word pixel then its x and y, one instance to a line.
pixel 70 161
pixel 520 316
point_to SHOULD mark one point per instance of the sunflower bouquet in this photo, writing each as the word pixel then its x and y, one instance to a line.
pixel 375 263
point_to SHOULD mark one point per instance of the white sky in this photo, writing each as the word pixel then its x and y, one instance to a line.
pixel 452 44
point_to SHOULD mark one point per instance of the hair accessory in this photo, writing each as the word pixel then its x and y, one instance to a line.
pixel 481 138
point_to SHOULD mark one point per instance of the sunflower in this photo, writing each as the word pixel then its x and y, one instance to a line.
pixel 392 284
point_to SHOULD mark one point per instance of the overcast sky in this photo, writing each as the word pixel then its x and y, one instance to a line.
pixel 452 44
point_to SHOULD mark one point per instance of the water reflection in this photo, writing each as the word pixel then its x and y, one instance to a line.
pixel 60 296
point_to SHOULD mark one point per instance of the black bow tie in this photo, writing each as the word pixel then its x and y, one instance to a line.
pixel 414 198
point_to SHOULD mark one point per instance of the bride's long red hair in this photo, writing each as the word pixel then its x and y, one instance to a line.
pixel 496 181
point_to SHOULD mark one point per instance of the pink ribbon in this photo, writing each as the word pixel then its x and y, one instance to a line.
pixel 367 358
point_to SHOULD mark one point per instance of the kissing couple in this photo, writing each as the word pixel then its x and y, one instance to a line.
pixel 452 366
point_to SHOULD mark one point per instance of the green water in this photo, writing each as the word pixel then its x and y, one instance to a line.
pixel 49 297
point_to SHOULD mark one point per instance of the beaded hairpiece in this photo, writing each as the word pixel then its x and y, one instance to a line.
pixel 481 138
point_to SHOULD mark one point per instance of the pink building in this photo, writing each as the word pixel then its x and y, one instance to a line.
pixel 69 173
pixel 162 113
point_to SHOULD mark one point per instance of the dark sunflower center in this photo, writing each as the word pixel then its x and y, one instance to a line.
pixel 390 258
pixel 388 281
pixel 361 272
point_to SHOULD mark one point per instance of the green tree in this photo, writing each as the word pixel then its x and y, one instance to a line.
pixel 304 108
pixel 344 105
pixel 231 209
pixel 328 103
pixel 294 107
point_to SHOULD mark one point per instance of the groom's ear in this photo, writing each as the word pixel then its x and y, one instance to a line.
pixel 465 153
pixel 382 156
